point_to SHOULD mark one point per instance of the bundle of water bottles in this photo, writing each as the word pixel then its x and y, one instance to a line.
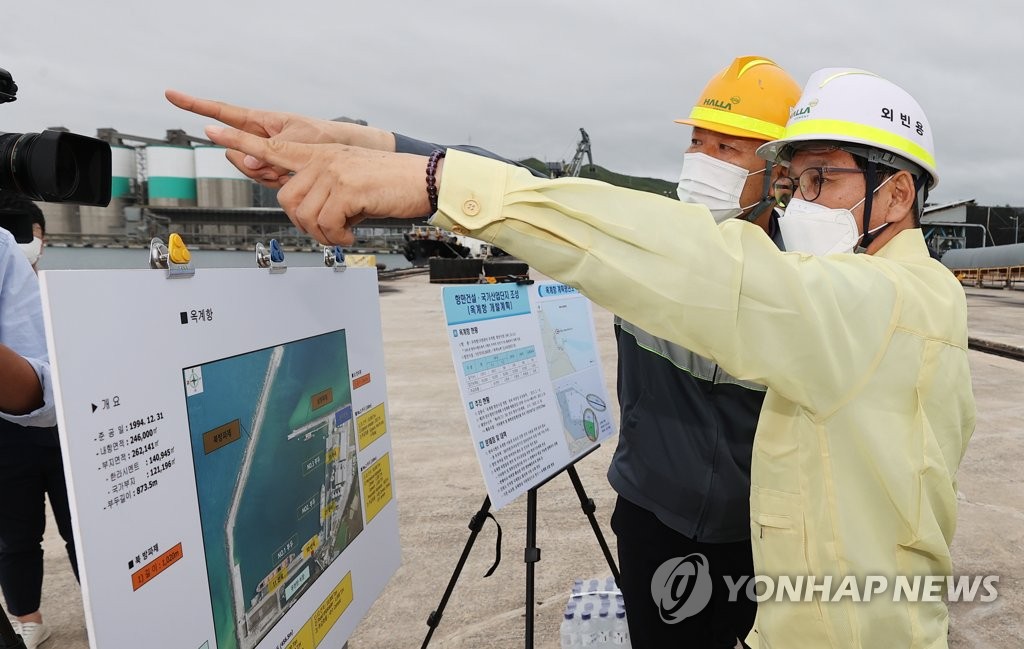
pixel 594 616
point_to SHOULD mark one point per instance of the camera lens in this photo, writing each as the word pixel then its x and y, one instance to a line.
pixel 56 167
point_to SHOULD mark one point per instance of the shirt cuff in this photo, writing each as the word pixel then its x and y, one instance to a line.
pixel 472 194
pixel 44 416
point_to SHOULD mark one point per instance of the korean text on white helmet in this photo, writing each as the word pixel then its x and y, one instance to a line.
pixel 856 107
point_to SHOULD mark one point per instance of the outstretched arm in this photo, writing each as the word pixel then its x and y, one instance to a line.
pixel 725 292
pixel 309 130
pixel 286 126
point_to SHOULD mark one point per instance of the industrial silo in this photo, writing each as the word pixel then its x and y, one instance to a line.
pixel 109 220
pixel 218 183
pixel 172 175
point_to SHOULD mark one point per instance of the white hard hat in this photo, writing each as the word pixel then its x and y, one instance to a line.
pixel 857 107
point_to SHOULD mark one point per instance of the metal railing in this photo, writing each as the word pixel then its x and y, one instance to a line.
pixel 1000 276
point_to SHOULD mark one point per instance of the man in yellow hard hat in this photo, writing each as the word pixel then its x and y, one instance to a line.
pixel 869 405
pixel 682 463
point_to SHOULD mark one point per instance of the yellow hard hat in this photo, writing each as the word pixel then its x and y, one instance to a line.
pixel 750 98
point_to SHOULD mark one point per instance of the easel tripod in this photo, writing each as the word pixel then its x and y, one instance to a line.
pixel 531 553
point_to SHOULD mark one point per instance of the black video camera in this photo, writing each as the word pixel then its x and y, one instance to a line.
pixel 53 166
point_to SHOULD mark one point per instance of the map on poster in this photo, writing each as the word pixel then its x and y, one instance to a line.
pixel 530 378
pixel 231 469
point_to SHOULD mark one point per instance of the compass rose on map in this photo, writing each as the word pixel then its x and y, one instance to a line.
pixel 193 381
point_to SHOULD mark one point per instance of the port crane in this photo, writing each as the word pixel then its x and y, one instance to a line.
pixel 572 170
pixel 582 148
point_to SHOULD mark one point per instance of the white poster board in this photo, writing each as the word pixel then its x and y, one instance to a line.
pixel 227 453
pixel 530 378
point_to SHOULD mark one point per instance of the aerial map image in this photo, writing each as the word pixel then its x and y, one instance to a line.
pixel 574 368
pixel 274 448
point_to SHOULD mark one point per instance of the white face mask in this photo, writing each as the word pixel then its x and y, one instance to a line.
pixel 33 250
pixel 714 183
pixel 818 230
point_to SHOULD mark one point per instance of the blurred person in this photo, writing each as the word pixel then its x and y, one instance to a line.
pixel 30 460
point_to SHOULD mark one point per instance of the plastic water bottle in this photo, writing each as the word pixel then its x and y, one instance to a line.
pixel 568 631
pixel 620 630
pixel 602 629
pixel 587 635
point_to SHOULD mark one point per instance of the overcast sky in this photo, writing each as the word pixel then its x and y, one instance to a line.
pixel 518 77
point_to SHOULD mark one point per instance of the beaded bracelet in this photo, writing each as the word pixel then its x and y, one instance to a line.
pixel 435 157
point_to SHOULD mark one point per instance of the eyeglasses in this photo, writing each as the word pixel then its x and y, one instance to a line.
pixel 809 181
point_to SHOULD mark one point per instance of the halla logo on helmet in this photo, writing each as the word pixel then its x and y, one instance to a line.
pixel 718 103
pixel 795 113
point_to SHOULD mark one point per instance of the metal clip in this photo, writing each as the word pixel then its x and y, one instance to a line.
pixel 272 259
pixel 334 257
pixel 177 261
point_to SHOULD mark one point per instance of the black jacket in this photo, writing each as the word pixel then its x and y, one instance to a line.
pixel 686 436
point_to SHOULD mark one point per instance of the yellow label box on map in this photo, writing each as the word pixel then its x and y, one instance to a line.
pixel 332 454
pixel 377 486
pixel 277 579
pixel 329 508
pixel 311 546
pixel 371 425
pixel 330 610
pixel 304 638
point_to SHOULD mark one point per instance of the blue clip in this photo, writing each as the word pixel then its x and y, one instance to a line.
pixel 272 259
pixel 276 254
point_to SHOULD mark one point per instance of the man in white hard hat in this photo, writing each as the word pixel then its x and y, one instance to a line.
pixel 869 405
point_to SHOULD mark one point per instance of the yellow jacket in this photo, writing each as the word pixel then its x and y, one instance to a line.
pixel 869 405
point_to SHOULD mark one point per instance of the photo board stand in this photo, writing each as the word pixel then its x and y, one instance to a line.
pixel 531 553
pixel 242 478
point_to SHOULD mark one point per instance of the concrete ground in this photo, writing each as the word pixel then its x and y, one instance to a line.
pixel 439 487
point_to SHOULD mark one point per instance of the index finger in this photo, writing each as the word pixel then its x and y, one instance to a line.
pixel 237 116
pixel 292 156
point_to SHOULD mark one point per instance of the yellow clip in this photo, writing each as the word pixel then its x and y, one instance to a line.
pixel 178 253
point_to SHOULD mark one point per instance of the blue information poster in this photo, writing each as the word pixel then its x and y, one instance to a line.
pixel 530 379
